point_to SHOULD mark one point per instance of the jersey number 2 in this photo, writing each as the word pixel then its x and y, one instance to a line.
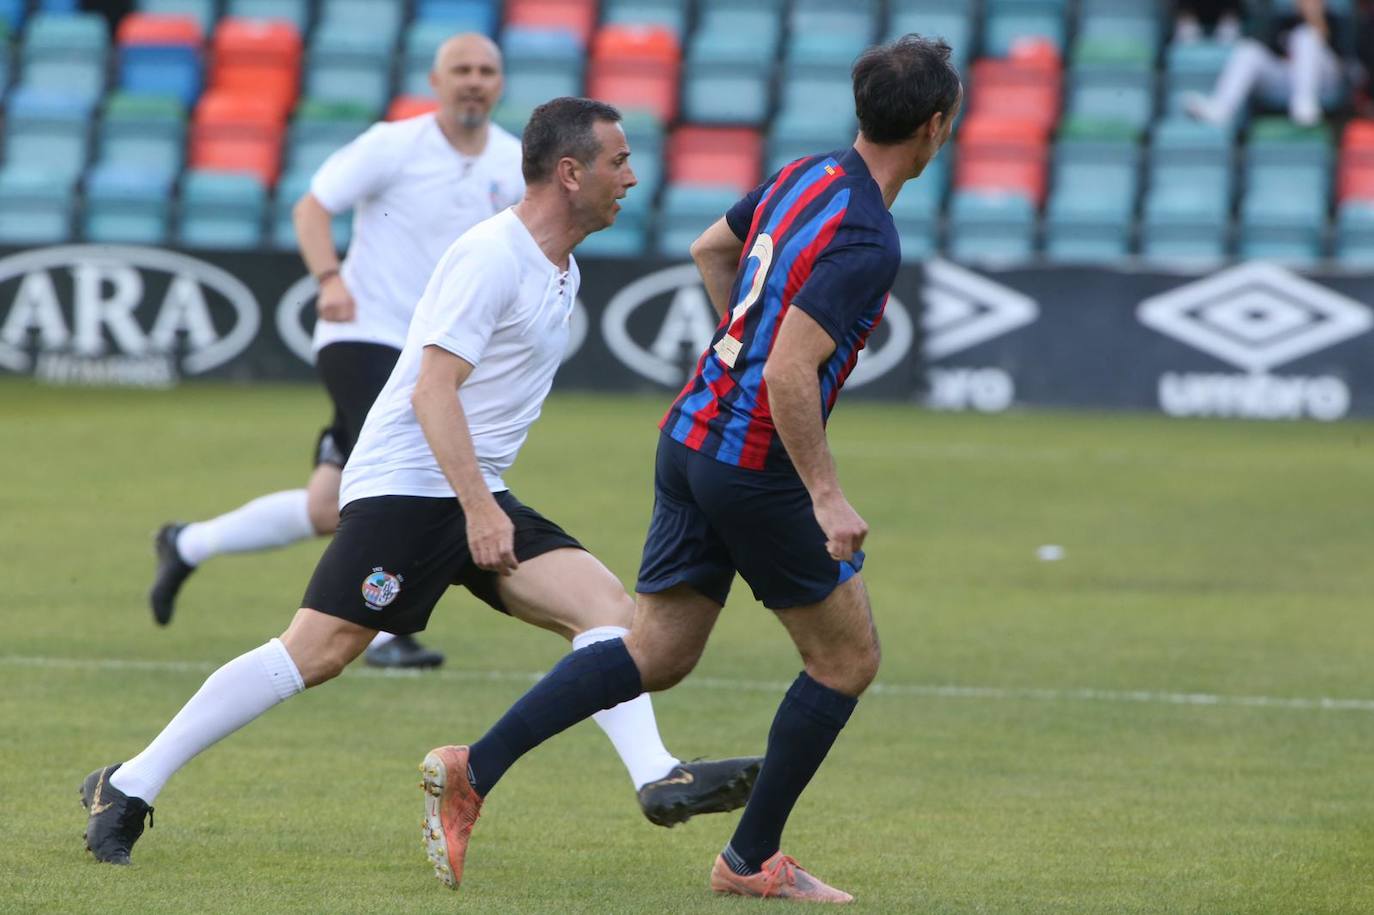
pixel 729 346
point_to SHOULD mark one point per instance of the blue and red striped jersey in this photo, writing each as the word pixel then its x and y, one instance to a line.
pixel 817 236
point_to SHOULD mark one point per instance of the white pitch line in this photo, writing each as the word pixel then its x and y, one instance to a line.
pixel 914 690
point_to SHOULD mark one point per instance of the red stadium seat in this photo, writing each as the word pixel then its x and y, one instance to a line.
pixel 575 16
pixel 1359 135
pixel 410 106
pixel 1355 182
pixel 716 156
pixel 636 44
pixel 656 93
pixel 636 67
pixel 155 29
pixel 1001 176
pixel 237 132
pixel 258 57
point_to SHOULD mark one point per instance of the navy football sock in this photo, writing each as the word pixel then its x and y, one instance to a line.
pixel 808 721
pixel 590 679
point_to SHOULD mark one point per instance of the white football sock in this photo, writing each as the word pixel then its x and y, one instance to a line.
pixel 381 639
pixel 631 726
pixel 230 698
pixel 266 523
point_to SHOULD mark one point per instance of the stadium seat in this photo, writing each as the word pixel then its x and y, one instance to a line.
pixel 147 132
pixel 636 67
pixel 35 205
pixel 233 132
pixel 202 11
pixel 575 16
pixel 685 213
pixel 1132 106
pixel 822 55
pixel 1355 234
pixel 160 55
pixel 461 15
pixel 126 204
pixel 715 157
pixel 713 95
pixel 1006 28
pixel 296 12
pixel 669 14
pixel 529 89
pixel 12 14
pixel 366 87
pixel 48 130
pixel 916 212
pixel 999 157
pixel 381 18
pixel 220 210
pixel 991 226
pixel 66 38
pixel 282 229
pixel 409 106
pixel 258 58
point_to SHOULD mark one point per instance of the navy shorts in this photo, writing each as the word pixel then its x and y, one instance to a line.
pixel 353 374
pixel 393 557
pixel 712 519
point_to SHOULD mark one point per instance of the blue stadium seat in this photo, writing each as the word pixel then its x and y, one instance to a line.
pixel 1084 226
pixel 220 210
pixel 203 11
pixel 35 205
pixel 84 79
pixel 48 130
pixel 296 12
pixel 366 87
pixel 547 48
pixel 1355 234
pixel 685 213
pixel 939 19
pixel 670 14
pixel 460 15
pixel 52 37
pixel 127 204
pixel 349 44
pixel 822 55
pixel 12 14
pixel 1129 105
pixel 530 89
pixel 422 39
pixel 997 227
pixel 715 95
pixel 290 189
pixel 174 71
pixel 1186 216
pixel 1181 141
pixel 1004 29
pixel 916 212
pixel 381 18
pixel 741 52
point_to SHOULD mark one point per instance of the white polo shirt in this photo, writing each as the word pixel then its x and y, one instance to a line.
pixel 412 194
pixel 498 303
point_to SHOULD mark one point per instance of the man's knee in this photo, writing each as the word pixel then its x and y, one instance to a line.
pixel 660 667
pixel 848 669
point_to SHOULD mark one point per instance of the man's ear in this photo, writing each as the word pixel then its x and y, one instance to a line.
pixel 569 172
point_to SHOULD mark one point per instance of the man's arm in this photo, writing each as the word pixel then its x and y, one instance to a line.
pixel 794 399
pixel 491 534
pixel 716 253
pixel 314 236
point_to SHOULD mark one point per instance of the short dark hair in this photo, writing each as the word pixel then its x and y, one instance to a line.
pixel 562 127
pixel 900 85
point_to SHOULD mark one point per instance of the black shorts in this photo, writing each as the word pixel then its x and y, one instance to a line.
pixel 393 557
pixel 712 518
pixel 353 374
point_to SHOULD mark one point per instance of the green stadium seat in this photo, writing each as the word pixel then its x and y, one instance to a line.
pixel 366 88
pixel 380 17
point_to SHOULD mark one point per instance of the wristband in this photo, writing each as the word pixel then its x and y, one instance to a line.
pixel 326 274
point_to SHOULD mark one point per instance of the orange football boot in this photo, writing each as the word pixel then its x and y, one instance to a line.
pixel 781 878
pixel 451 810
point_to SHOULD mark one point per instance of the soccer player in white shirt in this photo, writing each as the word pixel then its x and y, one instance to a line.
pixel 424 505
pixel 413 186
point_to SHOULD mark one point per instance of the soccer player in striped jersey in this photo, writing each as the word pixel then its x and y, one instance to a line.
pixel 800 271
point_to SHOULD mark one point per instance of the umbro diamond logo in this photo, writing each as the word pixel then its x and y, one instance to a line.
pixel 964 309
pixel 1256 316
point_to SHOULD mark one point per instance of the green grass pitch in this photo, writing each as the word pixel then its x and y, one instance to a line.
pixel 1138 727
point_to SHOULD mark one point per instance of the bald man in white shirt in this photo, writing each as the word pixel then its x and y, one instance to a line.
pixel 413 186
pixel 425 506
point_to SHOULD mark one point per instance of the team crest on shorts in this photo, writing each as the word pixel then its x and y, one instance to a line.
pixel 380 589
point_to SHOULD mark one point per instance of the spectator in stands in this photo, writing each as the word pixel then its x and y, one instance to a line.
pixel 1193 18
pixel 1297 67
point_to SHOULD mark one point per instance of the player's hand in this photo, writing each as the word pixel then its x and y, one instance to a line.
pixel 491 539
pixel 844 529
pixel 335 302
